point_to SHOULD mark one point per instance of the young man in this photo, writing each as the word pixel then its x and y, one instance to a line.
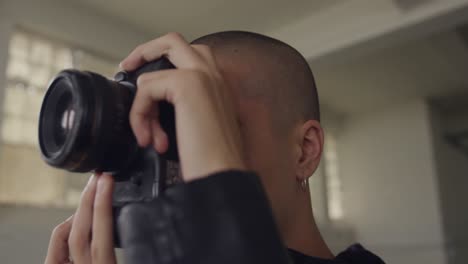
pixel 244 102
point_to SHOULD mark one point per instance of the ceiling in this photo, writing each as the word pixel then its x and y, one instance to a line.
pixel 435 66
pixel 426 67
pixel 196 18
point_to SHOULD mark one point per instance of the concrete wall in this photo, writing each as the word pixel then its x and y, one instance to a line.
pixel 26 179
pixel 390 184
pixel 5 27
pixel 452 170
pixel 25 232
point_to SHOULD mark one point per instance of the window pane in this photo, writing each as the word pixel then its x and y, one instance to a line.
pixel 14 100
pixel 29 133
pixel 34 102
pixel 335 206
pixel 63 59
pixel 41 52
pixel 92 63
pixel 18 68
pixel 12 129
pixel 19 46
pixel 40 75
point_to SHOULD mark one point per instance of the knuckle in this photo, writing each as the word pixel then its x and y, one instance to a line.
pixel 60 230
pixel 143 80
pixel 140 47
pixel 175 36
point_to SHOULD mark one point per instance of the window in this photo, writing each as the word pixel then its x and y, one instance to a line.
pixel 333 181
pixel 33 61
pixel 325 186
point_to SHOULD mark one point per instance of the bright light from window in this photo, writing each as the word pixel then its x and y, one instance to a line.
pixel 334 191
pixel 33 62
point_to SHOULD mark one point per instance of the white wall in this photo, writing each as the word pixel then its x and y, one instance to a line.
pixel 452 169
pixel 390 186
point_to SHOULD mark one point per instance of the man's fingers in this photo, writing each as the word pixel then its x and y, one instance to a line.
pixel 102 244
pixel 160 139
pixel 72 239
pixel 152 88
pixel 81 230
pixel 58 246
pixel 172 45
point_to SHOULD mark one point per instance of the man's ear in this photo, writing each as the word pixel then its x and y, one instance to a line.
pixel 311 140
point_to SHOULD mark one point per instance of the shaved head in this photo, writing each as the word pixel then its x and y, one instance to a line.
pixel 277 106
pixel 269 71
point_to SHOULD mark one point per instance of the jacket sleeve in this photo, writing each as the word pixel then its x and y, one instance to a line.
pixel 224 218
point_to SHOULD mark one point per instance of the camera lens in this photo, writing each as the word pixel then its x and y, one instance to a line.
pixel 60 113
pixel 84 125
pixel 84 121
pixel 63 119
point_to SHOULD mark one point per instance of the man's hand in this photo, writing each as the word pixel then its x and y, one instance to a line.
pixel 87 236
pixel 207 129
pixel 207 132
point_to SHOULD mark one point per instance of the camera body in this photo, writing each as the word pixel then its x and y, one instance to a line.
pixel 84 126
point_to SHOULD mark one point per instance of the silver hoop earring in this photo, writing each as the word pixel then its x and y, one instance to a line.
pixel 304 185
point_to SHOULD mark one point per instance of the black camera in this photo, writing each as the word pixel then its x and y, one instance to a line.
pixel 84 126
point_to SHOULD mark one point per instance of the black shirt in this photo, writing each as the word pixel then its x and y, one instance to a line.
pixel 355 254
pixel 222 219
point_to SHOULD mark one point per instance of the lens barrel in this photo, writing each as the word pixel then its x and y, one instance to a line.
pixel 84 124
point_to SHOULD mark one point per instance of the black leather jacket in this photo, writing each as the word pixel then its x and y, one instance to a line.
pixel 224 218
